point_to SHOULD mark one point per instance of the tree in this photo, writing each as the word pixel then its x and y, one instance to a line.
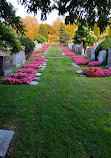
pixel 71 29
pixel 49 28
pixel 32 26
pixel 7 19
pixel 96 31
pixel 28 44
pixel 56 26
pixel 64 36
pixel 84 36
pixel 43 31
pixel 39 38
pixel 89 11
pixel 109 33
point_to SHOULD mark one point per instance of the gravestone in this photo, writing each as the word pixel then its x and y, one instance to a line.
pixel 92 58
pixel 33 83
pixel 109 59
pixel 22 57
pixel 96 44
pixel 16 60
pixel 5 65
pixel 73 48
pixel 88 52
pixel 102 57
pixel 5 138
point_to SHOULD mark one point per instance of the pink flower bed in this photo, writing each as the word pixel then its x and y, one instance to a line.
pixel 94 63
pixel 79 60
pixel 25 76
pixel 96 72
pixel 1 51
pixel 44 48
pixel 68 52
pixel 60 46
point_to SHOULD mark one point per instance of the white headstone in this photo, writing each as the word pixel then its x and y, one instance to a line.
pixel 22 57
pixel 16 60
pixel 93 54
pixel 102 56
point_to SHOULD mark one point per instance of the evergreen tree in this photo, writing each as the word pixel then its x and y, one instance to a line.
pixel 64 36
pixel 43 31
pixel 96 31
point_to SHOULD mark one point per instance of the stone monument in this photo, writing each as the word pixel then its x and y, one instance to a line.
pixel 5 65
pixel 109 59
pixel 16 60
pixel 102 57
pixel 22 57
pixel 92 54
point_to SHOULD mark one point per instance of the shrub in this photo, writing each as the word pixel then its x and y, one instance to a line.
pixel 103 46
pixel 28 44
pixel 94 63
pixel 40 38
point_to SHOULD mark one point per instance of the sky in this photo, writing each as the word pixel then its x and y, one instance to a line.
pixel 21 11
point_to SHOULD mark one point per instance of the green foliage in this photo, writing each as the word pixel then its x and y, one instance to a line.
pixel 64 36
pixel 28 44
pixel 39 38
pixel 105 45
pixel 96 31
pixel 109 33
pixel 8 39
pixel 85 36
pixel 7 14
pixel 43 31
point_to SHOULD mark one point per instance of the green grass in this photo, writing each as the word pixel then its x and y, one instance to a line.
pixel 64 116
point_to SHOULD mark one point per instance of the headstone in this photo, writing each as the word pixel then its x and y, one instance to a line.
pixel 36 78
pixel 73 64
pixel 102 57
pixel 38 74
pixel 109 58
pixel 5 138
pixel 88 52
pixel 33 83
pixel 79 71
pixel 96 44
pixel 92 58
pixel 73 48
pixel 82 75
pixel 5 65
pixel 22 57
pixel 16 60
pixel 44 64
pixel 82 51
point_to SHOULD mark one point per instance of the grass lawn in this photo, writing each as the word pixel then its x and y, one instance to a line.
pixel 64 116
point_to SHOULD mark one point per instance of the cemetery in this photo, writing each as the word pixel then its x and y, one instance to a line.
pixel 55 80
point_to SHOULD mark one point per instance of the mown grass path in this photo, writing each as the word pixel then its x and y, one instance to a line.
pixel 64 116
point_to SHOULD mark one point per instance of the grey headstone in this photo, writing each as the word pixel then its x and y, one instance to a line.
pixel 38 74
pixel 82 75
pixel 44 64
pixel 102 57
pixel 33 83
pixel 92 55
pixel 79 71
pixel 5 65
pixel 36 78
pixel 5 138
pixel 42 68
pixel 73 64
pixel 22 57
pixel 109 59
pixel 16 60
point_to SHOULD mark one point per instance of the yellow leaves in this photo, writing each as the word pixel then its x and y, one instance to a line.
pixel 31 26
pixel 71 29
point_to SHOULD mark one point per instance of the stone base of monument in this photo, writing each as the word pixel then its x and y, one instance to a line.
pixel 7 72
pixel 33 83
pixel 5 138
pixel 108 66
